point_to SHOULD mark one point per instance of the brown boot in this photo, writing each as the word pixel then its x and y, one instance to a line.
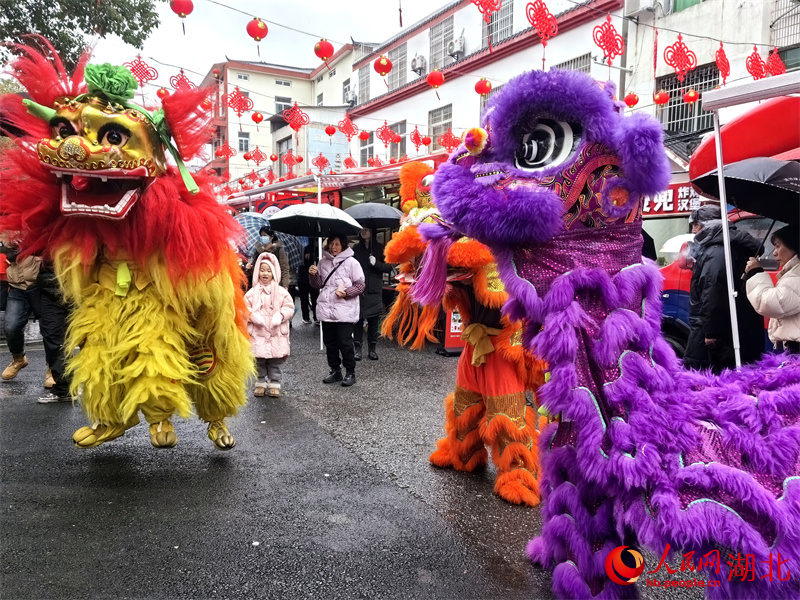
pixel 49 382
pixel 17 364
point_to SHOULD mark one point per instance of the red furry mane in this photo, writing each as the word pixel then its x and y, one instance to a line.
pixel 188 120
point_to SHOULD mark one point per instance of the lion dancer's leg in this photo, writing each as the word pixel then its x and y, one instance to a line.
pixel 462 448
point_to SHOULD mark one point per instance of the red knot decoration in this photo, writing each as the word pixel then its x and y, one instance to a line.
pixel 225 151
pixel 237 101
pixel 271 176
pixel 661 97
pixel 542 20
pixel 775 65
pixel 290 160
pixel 377 162
pixel 142 72
pixel 296 117
pixel 350 163
pixel 348 128
pixel 181 83
pixel 679 57
pixel 722 63
pixel 608 40
pixel 487 7
pixel 756 65
pixel 320 162
pixel 448 140
pixel 385 134
pixel 253 176
pixel 257 156
pixel 416 138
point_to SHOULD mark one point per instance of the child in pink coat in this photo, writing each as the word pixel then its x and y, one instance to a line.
pixel 271 308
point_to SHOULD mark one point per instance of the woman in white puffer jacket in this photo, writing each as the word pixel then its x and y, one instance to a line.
pixel 779 302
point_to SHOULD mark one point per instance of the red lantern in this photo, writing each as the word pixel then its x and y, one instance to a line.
pixel 299 159
pixel 397 139
pixel 435 79
pixel 257 30
pixel 241 182
pixel 330 130
pixel 426 141
pixel 261 180
pixel 215 73
pixel 483 87
pixel 691 97
pixel 363 136
pixel 631 100
pixel 273 157
pixel 382 65
pixel 282 179
pixel 324 50
pixel 257 117
pixel 247 156
pixel 371 162
pixel 162 93
pixel 182 8
pixel 392 161
pixel 661 97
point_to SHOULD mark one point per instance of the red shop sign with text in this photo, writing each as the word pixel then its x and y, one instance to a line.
pixel 679 199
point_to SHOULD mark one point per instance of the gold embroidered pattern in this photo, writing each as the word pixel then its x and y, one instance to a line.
pixel 510 405
pixel 463 399
pixel 493 281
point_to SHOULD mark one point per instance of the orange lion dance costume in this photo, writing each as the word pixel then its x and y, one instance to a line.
pixel 140 248
pixel 488 407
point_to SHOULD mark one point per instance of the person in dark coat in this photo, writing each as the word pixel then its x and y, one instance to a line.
pixel 308 293
pixel 369 254
pixel 710 341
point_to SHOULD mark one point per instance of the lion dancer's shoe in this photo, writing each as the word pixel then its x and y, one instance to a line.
pixel 219 434
pixel 99 433
pixel 462 449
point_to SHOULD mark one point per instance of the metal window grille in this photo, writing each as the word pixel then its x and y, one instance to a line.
pixel 367 149
pixel 441 34
pixel 242 77
pixel 282 103
pixel 485 99
pixel 284 82
pixel 331 73
pixel 319 79
pixel 501 24
pixel 398 150
pixel 363 84
pixel 786 28
pixel 439 120
pixel 677 115
pixel 319 99
pixel 345 90
pixel 244 141
pixel 397 76
pixel 581 63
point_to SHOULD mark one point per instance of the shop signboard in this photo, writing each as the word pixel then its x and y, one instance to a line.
pixel 453 328
pixel 680 199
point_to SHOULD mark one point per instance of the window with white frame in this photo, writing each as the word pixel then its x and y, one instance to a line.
pixel 486 97
pixel 439 121
pixel 500 25
pixel 398 150
pixel 319 79
pixel 367 149
pixel 319 99
pixel 244 141
pixel 243 77
pixel 345 90
pixel 282 103
pixel 441 34
pixel 582 63
pixel 331 73
pixel 397 76
pixel 283 147
pixel 283 82
pixel 677 115
pixel 363 84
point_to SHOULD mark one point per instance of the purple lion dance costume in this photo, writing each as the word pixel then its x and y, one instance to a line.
pixel 641 452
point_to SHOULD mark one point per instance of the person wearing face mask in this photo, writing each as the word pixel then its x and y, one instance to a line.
pixel 779 302
pixel 269 242
pixel 369 255
pixel 340 281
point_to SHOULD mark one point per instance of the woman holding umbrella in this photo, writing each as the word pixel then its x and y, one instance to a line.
pixel 340 281
pixel 369 254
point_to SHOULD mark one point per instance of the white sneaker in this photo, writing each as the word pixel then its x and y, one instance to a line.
pixel 52 398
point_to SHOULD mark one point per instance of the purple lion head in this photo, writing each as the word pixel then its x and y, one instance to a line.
pixel 559 157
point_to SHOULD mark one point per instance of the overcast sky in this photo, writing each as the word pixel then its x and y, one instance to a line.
pixel 214 32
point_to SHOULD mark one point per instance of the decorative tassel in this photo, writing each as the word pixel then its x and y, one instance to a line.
pixel 400 10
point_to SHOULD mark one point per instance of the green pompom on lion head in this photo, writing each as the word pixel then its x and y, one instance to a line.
pixel 110 81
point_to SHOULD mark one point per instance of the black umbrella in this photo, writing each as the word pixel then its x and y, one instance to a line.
pixel 314 220
pixel 764 186
pixel 374 215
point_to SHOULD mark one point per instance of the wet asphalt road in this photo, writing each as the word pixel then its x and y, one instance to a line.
pixel 328 494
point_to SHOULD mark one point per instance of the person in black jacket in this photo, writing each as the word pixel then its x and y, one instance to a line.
pixel 308 293
pixel 710 341
pixel 369 254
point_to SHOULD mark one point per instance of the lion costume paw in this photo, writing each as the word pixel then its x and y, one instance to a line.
pixel 98 433
pixel 162 435
pixel 219 434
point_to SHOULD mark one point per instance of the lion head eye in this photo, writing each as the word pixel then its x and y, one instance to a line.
pixel 548 143
pixel 427 181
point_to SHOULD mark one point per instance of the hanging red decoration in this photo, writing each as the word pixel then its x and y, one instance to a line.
pixel 324 50
pixel 631 100
pixel 435 78
pixel 608 40
pixel 397 139
pixel 273 157
pixel 271 176
pixel 371 162
pixel 385 134
pixel 722 63
pixel 448 140
pixel 348 128
pixel 775 65
pixel 262 181
pixel 257 30
pixel 363 136
pixel 382 65
pixel 756 65
pixel 142 72
pixel 252 176
pixel 299 159
pixel 181 83
pixel 392 160
pixel 416 138
pixel 247 156
pixel 377 162
pixel 403 158
pixel 543 21
pixel 290 160
pixel 330 130
pixel 426 141
pixel 661 97
pixel 241 182
pixel 679 57
pixel 215 73
pixel 282 179
pixel 237 101
pixel 257 118
pixel 320 162
pixel 691 97
pixel 486 8
pixel 483 86
pixel 296 117
pixel 182 8
pixel 162 93
pixel 258 156
pixel 225 151
pixel 350 163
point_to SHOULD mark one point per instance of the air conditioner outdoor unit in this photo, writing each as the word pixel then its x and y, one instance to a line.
pixel 419 65
pixel 635 8
pixel 456 47
pixel 350 97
